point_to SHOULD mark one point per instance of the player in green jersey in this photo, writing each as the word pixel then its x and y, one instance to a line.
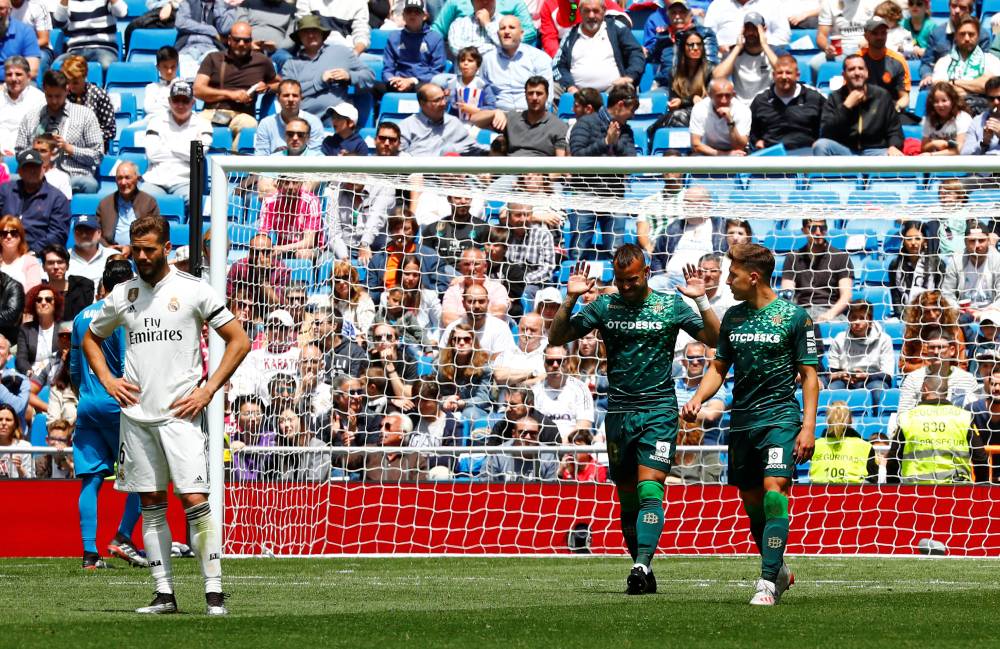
pixel 639 327
pixel 771 343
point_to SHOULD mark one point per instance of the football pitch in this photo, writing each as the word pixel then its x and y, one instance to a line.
pixel 523 602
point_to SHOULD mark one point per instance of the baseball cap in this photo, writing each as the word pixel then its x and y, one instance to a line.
pixel 754 18
pixel 345 110
pixel 29 157
pixel 549 294
pixel 281 317
pixel 671 3
pixel 413 4
pixel 181 88
pixel 989 354
pixel 990 315
pixel 875 21
pixel 87 221
pixel 181 253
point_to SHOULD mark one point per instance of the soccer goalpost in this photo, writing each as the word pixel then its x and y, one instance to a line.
pixel 283 492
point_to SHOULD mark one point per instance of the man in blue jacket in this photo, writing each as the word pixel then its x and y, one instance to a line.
pixel 413 54
pixel 600 52
pixel 43 209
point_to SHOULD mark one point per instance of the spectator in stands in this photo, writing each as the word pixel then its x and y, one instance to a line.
pixel 118 210
pixel 582 467
pixel 13 465
pixel 279 355
pixel 74 128
pixel 942 39
pixel 695 361
pixel 15 388
pixel 202 27
pixel 751 61
pixel 91 29
pixel 520 403
pixel 564 398
pixel 661 208
pixel 262 274
pixel 968 66
pixel 840 30
pixel 606 133
pixel 432 132
pixel 913 270
pixel 244 429
pixel 492 333
pixel 419 303
pixel 413 54
pixel 946 121
pixel 88 257
pixel 531 132
pixel 77 292
pixel 435 426
pixel 388 353
pixel 345 139
pixel 600 52
pixel 509 67
pixel 341 355
pixel 861 357
pixel 972 279
pixel 788 113
pixel 520 467
pixel 726 20
pixel 295 430
pixel 272 22
pixel 454 9
pixel 349 424
pixel 453 233
pixel 939 356
pixel 898 38
pixel 557 17
pixel 399 466
pixel 665 26
pixel 37 343
pixel 986 412
pixel 465 374
pixel 43 209
pixel 589 362
pixel 524 364
pixel 352 301
pixel 19 98
pixel 930 309
pixel 387 269
pixel 60 436
pixel 348 18
pixel 693 234
pixel 325 70
pixel 356 215
pixel 46 146
pixel 168 144
pixel 11 309
pixel 229 82
pixel 36 15
pixel 937 442
pixel 530 246
pixel 156 96
pixel 981 138
pixel 686 82
pixel 472 272
pixel 19 39
pixel 820 275
pixel 859 118
pixel 467 90
pixel 16 260
pixel 945 234
pixel 841 455
pixel 292 218
pixel 886 67
pixel 720 126
pixel 919 24
pixel 387 139
pixel 547 303
pixel 314 397
pixel 720 297
pixel 271 134
pixel 693 466
pixel 84 93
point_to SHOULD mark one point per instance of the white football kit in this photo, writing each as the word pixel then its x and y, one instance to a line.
pixel 163 326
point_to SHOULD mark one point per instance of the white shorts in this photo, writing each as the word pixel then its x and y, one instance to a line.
pixel 152 455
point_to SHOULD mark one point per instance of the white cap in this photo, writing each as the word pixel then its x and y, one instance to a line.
pixel 550 294
pixel 181 253
pixel 344 109
pixel 282 316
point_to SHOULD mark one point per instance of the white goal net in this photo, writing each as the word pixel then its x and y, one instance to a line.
pixel 400 397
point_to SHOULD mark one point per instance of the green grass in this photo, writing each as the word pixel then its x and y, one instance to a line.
pixel 481 603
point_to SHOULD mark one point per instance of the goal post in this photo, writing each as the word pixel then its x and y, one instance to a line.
pixel 864 201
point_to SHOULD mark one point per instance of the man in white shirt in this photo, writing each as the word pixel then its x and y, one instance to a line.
pixel 725 18
pixel 492 333
pixel 168 144
pixel 721 125
pixel 750 62
pixel 88 257
pixel 19 97
pixel 279 356
pixel 598 53
pixel 524 364
pixel 841 29
pixel 563 398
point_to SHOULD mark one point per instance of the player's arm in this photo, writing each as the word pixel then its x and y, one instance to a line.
pixel 806 440
pixel 710 384
pixel 122 391
pixel 695 289
pixel 237 347
pixel 562 331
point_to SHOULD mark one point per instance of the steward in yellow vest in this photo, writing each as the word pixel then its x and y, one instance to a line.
pixel 841 455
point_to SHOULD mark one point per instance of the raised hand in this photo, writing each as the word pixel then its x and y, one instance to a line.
pixel 695 279
pixel 580 281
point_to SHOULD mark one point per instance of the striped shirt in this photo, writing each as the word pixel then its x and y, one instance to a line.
pixel 537 252
pixel 90 23
pixel 77 125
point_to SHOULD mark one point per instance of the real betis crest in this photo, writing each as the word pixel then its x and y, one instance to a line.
pixel 776 320
pixel 133 294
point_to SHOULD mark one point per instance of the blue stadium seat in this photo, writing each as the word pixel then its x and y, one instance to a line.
pixel 240 235
pixel 180 234
pixel 648 76
pixel 651 105
pixel 244 143
pixel 827 72
pixel 172 208
pixel 841 184
pixel 301 270
pixel 805 70
pixel 222 140
pixel 126 113
pixel 895 329
pixel 130 139
pixel 798 35
pixel 135 8
pixel 784 241
pixel 375 65
pixel 144 43
pixel 918 104
pixel 379 39
pixel 913 131
pixel 814 197
pixel 874 199
pixel 678 139
pixel 990 7
pixel 57 40
pixel 859 401
pixel 875 272
pixel 39 429
pixel 939 8
pixel 890 401
pixel 880 299
pixel 830 330
pixel 565 107
pixel 131 78
pixel 84 204
pixel 95 73
pixel 640 136
pixel 397 106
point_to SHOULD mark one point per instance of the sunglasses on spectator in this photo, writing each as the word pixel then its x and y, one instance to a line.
pixel 10 233
pixel 694 45
pixel 387 138
pixel 46 299
pixel 695 359
pixel 384 338
pixel 462 339
pixel 296 134
pixel 356 392
pixel 554 361
pixel 822 227
pixel 237 39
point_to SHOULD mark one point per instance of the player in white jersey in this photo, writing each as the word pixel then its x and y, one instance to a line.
pixel 162 399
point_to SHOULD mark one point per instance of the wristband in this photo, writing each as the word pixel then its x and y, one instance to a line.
pixel 702 303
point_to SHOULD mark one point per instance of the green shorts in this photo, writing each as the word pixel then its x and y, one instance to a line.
pixel 761 451
pixel 643 438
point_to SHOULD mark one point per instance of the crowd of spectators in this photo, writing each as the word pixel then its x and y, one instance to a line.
pixel 432 330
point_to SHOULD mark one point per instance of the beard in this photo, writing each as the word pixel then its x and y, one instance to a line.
pixel 153 271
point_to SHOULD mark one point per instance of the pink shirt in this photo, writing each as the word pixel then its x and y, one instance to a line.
pixel 288 225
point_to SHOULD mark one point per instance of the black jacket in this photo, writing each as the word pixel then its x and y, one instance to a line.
pixel 27 346
pixel 873 124
pixel 628 52
pixel 11 307
pixel 79 295
pixel 795 124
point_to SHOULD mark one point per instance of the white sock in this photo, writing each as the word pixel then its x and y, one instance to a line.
pixel 207 545
pixel 644 567
pixel 156 537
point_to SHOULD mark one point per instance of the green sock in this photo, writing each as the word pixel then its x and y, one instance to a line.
pixel 775 535
pixel 756 515
pixel 649 525
pixel 629 502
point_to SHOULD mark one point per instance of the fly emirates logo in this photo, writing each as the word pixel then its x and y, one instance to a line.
pixel 152 333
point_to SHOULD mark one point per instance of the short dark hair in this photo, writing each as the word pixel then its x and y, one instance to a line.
pixel 536 80
pixel 472 52
pixel 741 223
pixel 857 306
pixel 992 84
pixel 54 79
pixel 968 20
pixel 301 120
pixel 623 92
pixel 627 254
pixel 755 257
pixel 392 126
pixel 55 249
pixel 167 53
pixel 589 97
pixel 811 219
pixel 292 82
pixel 936 332
pixel 852 56
pixel 150 225
pixel 116 271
